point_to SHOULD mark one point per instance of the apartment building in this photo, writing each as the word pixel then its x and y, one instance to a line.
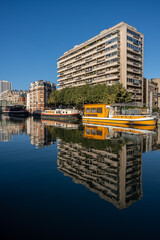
pixel 16 97
pixel 113 56
pixel 38 95
pixel 4 86
pixel 157 82
pixel 150 93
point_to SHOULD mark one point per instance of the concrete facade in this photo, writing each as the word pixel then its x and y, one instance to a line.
pixel 113 56
pixel 4 86
pixel 150 89
pixel 16 97
pixel 157 81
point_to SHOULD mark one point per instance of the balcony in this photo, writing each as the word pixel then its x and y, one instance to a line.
pixel 112 77
pixel 88 59
pixel 100 48
pixel 134 57
pixel 113 70
pixel 100 72
pixel 133 70
pixel 134 51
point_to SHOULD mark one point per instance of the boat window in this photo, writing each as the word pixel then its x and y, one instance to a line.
pixel 87 131
pixel 93 132
pixel 93 110
pixel 99 133
pixel 99 110
pixel 88 110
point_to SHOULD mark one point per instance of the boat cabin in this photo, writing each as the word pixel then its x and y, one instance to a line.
pixel 61 111
pixel 97 110
pixel 102 110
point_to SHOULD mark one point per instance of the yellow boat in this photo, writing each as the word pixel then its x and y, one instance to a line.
pixel 100 132
pixel 106 114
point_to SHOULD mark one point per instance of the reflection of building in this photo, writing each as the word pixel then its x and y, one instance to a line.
pixel 150 142
pixel 115 175
pixel 114 55
pixel 39 134
pixel 150 89
pixel 5 136
pixel 9 128
pixel 158 142
pixel 157 81
pixel 5 85
pixel 38 95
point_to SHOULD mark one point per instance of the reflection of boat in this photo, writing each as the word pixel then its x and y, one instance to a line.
pixel 111 115
pixel 61 114
pixel 37 113
pixel 18 111
pixel 60 124
pixel 101 132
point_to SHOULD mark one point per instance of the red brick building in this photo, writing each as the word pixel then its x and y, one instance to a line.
pixel 38 95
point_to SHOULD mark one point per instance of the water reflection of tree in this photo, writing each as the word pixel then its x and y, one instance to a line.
pixel 76 136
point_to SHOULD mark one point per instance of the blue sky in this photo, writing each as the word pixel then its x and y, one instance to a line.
pixel 34 33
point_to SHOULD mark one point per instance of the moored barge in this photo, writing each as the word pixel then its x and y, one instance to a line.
pixel 105 114
pixel 61 114
pixel 17 111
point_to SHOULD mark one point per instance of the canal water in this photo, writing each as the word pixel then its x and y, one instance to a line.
pixel 68 181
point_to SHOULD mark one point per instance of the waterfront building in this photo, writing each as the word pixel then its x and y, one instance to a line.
pixel 16 97
pixel 38 95
pixel 157 81
pixel 4 86
pixel 115 55
pixel 150 93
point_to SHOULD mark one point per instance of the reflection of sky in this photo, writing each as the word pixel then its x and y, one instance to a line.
pixel 39 201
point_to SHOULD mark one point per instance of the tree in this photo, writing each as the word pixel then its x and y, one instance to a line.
pixel 100 93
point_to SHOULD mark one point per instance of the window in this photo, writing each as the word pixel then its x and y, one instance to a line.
pixel 135 41
pixel 134 47
pixel 112 40
pixel 111 48
pixel 88 110
pixel 87 131
pixel 111 34
pixel 99 110
pixel 99 133
pixel 111 54
pixel 93 110
pixel 93 132
pixel 133 33
pixel 111 61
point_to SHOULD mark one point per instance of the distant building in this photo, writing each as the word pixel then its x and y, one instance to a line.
pixel 115 55
pixel 4 86
pixel 150 90
pixel 38 95
pixel 16 97
pixel 157 81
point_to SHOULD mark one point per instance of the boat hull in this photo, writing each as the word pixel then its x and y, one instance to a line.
pixel 61 116
pixel 16 113
pixel 148 121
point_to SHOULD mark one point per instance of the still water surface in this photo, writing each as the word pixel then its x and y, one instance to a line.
pixel 64 181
